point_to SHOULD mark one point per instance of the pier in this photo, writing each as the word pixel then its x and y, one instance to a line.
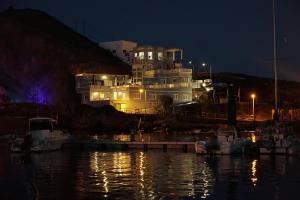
pixel 127 145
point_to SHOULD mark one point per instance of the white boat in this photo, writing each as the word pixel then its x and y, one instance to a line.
pixel 277 144
pixel 42 136
pixel 277 140
pixel 225 141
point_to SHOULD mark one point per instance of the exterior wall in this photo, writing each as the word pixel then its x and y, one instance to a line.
pixel 146 58
pixel 176 83
pixel 156 71
pixel 98 87
pixel 122 49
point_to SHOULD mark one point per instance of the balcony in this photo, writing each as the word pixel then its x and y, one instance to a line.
pixel 171 85
pixel 168 72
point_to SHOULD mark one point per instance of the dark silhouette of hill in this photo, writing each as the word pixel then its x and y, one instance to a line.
pixel 40 55
pixel 263 87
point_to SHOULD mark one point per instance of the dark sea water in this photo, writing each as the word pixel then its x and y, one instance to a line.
pixel 149 175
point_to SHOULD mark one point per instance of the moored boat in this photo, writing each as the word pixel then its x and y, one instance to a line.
pixel 224 142
pixel 42 136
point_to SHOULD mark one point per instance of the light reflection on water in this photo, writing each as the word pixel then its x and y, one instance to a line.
pixel 149 175
pixel 159 175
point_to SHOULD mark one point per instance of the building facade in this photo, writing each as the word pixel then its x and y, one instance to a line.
pixel 156 71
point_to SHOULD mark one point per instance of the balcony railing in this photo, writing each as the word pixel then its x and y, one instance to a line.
pixel 171 85
pixel 168 72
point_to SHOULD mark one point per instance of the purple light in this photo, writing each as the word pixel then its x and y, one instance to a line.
pixel 39 93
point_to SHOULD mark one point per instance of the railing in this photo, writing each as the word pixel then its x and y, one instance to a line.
pixel 100 88
pixel 167 71
pixel 171 85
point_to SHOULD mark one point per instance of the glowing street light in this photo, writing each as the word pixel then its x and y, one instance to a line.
pixel 204 64
pixel 145 98
pixel 253 105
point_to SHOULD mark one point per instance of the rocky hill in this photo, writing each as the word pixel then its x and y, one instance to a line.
pixel 39 57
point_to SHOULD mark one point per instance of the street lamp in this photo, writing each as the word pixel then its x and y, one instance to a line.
pixel 193 66
pixel 145 97
pixel 205 65
pixel 253 105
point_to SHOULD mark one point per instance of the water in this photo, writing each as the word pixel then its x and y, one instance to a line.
pixel 149 175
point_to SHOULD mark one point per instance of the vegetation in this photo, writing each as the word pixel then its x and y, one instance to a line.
pixel 165 106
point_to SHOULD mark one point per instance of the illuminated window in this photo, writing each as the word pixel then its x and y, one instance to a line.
pixel 96 96
pixel 123 106
pixel 115 95
pixel 135 55
pixel 160 56
pixel 141 55
pixel 150 55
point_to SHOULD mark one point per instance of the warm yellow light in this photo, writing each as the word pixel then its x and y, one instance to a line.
pixel 104 77
pixel 253 137
pixel 253 170
pixel 253 96
pixel 79 74
pixel 141 90
pixel 123 107
pixel 95 93
pixel 204 84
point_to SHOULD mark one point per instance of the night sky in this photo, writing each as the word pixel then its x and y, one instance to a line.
pixel 232 35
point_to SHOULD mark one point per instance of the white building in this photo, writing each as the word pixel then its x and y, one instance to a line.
pixel 156 71
pixel 122 49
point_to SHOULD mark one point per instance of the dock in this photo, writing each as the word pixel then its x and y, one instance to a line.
pixel 127 145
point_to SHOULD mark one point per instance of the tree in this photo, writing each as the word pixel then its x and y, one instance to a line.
pixel 165 104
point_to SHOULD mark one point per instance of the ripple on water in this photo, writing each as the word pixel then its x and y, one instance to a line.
pixel 157 175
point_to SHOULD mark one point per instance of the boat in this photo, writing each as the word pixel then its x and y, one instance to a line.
pixel 277 140
pixel 224 142
pixel 42 136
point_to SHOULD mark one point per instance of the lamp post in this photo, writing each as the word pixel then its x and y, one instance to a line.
pixel 145 97
pixel 210 71
pixel 204 64
pixel 253 106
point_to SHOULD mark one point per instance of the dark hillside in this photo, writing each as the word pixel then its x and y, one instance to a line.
pixel 39 56
pixel 288 91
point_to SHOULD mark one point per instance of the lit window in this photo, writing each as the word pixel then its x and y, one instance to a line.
pixel 135 55
pixel 141 55
pixel 96 96
pixel 150 55
pixel 160 56
pixel 123 107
